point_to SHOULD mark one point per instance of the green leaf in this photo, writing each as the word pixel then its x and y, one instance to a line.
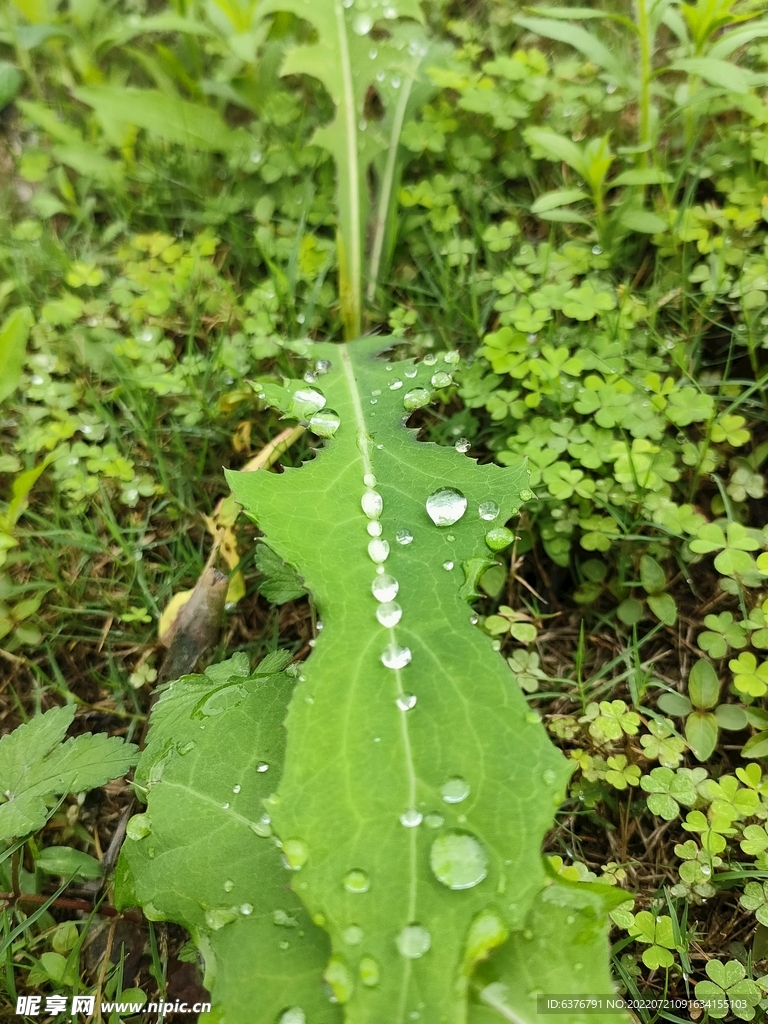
pixel 701 733
pixel 168 117
pixel 703 685
pixel 652 576
pixel 13 345
pixel 281 583
pixel 203 855
pixel 63 860
pixel 756 746
pixel 35 764
pixel 664 607
pixel 641 176
pixel 558 148
pixel 368 787
pixel 717 72
pixel 581 40
pixel 642 221
pixel 560 197
pixel 675 704
pixel 341 59
pixel 731 717
pixel 11 80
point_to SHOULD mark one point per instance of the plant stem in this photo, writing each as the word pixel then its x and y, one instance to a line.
pixel 644 123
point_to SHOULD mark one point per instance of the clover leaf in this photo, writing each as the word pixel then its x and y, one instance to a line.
pixel 659 934
pixel 755 898
pixel 663 745
pixel 609 720
pixel 749 677
pixel 668 789
pixel 620 774
pixel 730 429
pixel 728 990
pixel 722 632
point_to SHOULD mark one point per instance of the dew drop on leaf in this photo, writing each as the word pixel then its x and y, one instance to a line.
pixel 229 885
pixel 499 538
pixel 138 827
pixel 413 941
pixel 549 776
pixel 262 827
pixel 489 511
pixel 369 971
pixel 378 550
pixel 362 24
pixel 389 614
pixel 394 656
pixel 353 935
pixel 369 480
pixel 455 790
pixel 295 1015
pixel 325 423
pixel 434 820
pixel 262 767
pixel 373 53
pixel 384 588
pixel 306 402
pixel 446 506
pixel 411 818
pixel 406 701
pixel 322 366
pixel 533 717
pixel 430 359
pixel 186 748
pixel 246 909
pixel 217 917
pixel 372 504
pixel 296 853
pixel 462 445
pixel 416 398
pixel 395 385
pixel 441 379
pixel 310 377
pixel 403 537
pixel 236 789
pixel 458 860
pixel 374 528
pixel 448 565
pixel 411 371
pixel 356 881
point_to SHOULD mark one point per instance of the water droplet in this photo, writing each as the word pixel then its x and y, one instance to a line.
pixel 296 853
pixel 353 935
pixel 378 550
pixel 357 881
pixel 236 789
pixel 416 398
pixel 310 377
pixel 549 776
pixel 462 445
pixel 229 885
pixel 385 588
pixel 390 12
pixel 411 818
pixel 450 537
pixel 596 250
pixel 246 909
pixel 373 400
pixel 441 379
pixel 347 3
pixel 380 76
pixel 411 371
pixel 369 972
pixel 322 366
pixel 138 827
pixel 434 820
pixel 455 790
pixel 262 767
pixel 369 480
pixel 496 645
pixel 430 359
pixel 395 80
pixel 225 807
pixel 372 504
pixel 413 941
pixel 395 385
pixel 448 565
pixel 473 619
pixel 217 917
pixel 406 701
pixel 389 613
pixel 325 423
pixel 373 53
pixel 362 24
pixel 373 528
pixel 394 656
pixel 452 357
pixel 256 157
pixel 446 506
pixel 488 511
pixel 295 1015
pixel 532 717
pixel 262 827
pixel 499 538
pixel 458 860
pixel 306 402
pixel 403 537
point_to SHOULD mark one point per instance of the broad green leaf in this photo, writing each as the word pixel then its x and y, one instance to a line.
pixel 63 860
pixel 581 40
pixel 169 117
pixel 558 148
pixel 202 854
pixel 46 118
pixel 13 345
pixel 11 80
pixel 347 61
pixel 652 576
pixel 663 607
pixel 717 72
pixel 703 685
pixel 735 39
pixel 281 583
pixel 414 769
pixel 35 764
pixel 642 176
pixel 642 221
pixel 560 197
pixel 701 732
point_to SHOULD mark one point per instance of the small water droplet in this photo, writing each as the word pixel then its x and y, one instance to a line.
pixel 532 717
pixel 499 538
pixel 262 767
pixel 295 1015
pixel 416 398
pixel 225 807
pixel 217 917
pixel 411 371
pixel 138 827
pixel 434 820
pixel 413 941
pixel 357 881
pixel 362 24
pixel 374 401
pixel 229 885
pixel 322 366
pixel 455 790
pixel 306 402
pixel 353 935
pixel 488 510
pixel 395 80
pixel 385 588
pixel 430 359
pixel 373 53
pixel 236 789
pixel 446 506
pixel 378 550
pixel 462 445
pixel 372 504
pixel 262 827
pixel 473 619
pixel 369 480
pixel 380 76
pixel 411 818
pixel 256 157
pixel 325 423
pixel 296 853
pixel 310 377
pixel 186 748
pixel 395 385
pixel 458 860
pixel 394 656
pixel 549 776
pixel 441 379
pixel 596 250
pixel 496 645
pixel 406 701
pixel 404 537
pixel 373 528
pixel 448 565
pixel 246 909
pixel 389 614
pixel 369 972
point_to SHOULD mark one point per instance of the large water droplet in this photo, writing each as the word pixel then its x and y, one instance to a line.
pixel 462 445
pixel 441 379
pixel 322 366
pixel 395 656
pixel 446 506
pixel 373 528
pixel 458 860
pixel 138 827
pixel 403 537
pixel 413 941
pixel 389 614
pixel 372 504
pixel 353 935
pixel 378 550
pixel 406 701
pixel 296 853
pixel 369 972
pixel 488 510
pixel 357 881
pixel 455 790
pixel 499 538
pixel 411 818
pixel 325 423
pixel 416 398
pixel 306 402
pixel 362 24
pixel 384 588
